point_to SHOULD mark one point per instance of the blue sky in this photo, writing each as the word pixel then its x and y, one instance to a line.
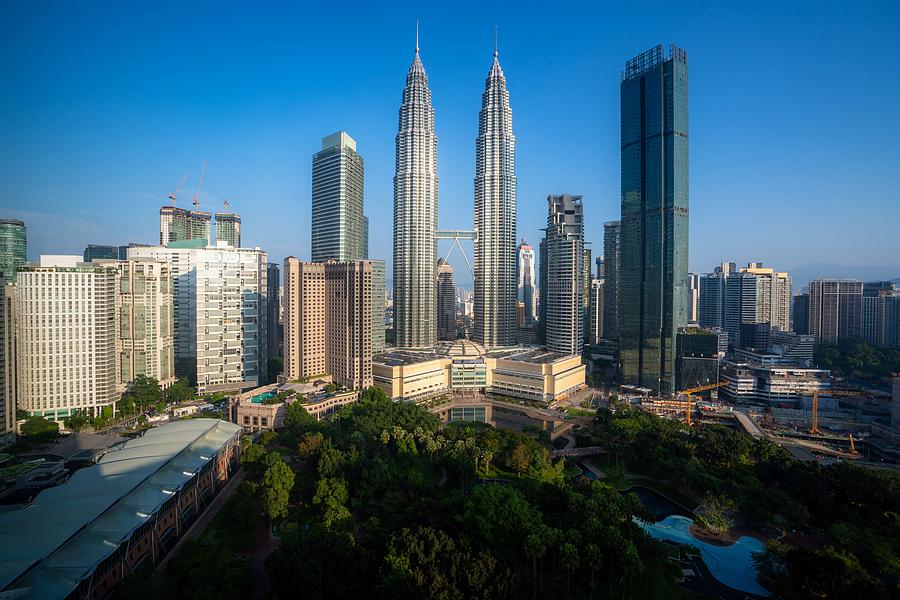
pixel 794 133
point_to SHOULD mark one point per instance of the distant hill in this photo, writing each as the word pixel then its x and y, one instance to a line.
pixel 804 274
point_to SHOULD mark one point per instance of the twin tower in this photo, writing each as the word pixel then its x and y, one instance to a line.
pixel 416 216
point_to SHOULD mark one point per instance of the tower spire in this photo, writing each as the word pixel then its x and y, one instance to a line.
pixel 495 42
pixel 417 36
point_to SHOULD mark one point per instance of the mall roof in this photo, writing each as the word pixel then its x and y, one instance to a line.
pixel 52 544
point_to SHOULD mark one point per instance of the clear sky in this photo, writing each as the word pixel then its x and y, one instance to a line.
pixel 794 131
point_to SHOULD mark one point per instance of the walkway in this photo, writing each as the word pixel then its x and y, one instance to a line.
pixel 587 451
pixel 200 525
pixel 748 425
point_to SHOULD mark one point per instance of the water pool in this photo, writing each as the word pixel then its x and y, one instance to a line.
pixel 262 397
pixel 732 565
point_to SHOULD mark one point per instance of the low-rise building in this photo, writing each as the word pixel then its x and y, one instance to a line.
pixel 771 384
pixel 262 409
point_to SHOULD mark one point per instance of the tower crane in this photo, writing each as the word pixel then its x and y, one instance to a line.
pixel 814 424
pixel 200 183
pixel 697 390
pixel 173 194
pixel 227 205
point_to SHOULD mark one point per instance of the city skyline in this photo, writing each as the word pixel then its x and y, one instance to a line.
pixel 273 195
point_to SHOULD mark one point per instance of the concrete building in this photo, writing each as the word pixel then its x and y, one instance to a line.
pixel 587 278
pixel 181 225
pixel 653 239
pixel 220 315
pixel 415 215
pixel 756 294
pixel 82 538
pixel 527 282
pixel 711 296
pixel 251 410
pixel 13 246
pixel 304 319
pixel 562 275
pixel 145 321
pixel 611 280
pixel 878 321
pixel 100 252
pixel 464 367
pixel 379 283
pixel 228 229
pixel 693 297
pixel 7 364
pixel 494 323
pixel 773 385
pixel 800 314
pixel 595 333
pixel 698 358
pixel 835 309
pixel 446 289
pixel 348 323
pixel 274 333
pixel 65 337
pixel 339 227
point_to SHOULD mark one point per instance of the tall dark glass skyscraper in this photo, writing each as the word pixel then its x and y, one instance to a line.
pixel 653 273
pixel 12 248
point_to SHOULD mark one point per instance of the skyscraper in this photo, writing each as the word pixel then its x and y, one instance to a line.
pixel 610 280
pixel 228 228
pixel 495 216
pixel 273 306
pixel 652 303
pixel 596 312
pixel 527 282
pixel 586 279
pixel 348 323
pixel 180 225
pixel 304 319
pixel 446 291
pixel 711 304
pixel 13 245
pixel 379 274
pixel 562 275
pixel 835 309
pixel 338 223
pixel 415 214
pixel 7 364
pixel 800 314
pixel 756 294
pixel 98 252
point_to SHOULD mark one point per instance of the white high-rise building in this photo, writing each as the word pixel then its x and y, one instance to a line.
pixel 495 216
pixel 415 215
pixel 527 281
pixel 65 337
pixel 220 316
pixel 562 275
pixel 756 294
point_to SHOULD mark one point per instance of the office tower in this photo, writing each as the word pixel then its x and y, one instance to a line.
pixel 415 215
pixel 698 358
pixel 348 323
pixel 338 224
pixel 693 297
pixel 446 290
pixel 800 314
pixel 304 319
pixel 876 306
pixel 653 242
pixel 600 268
pixel 180 225
pixel 220 316
pixel 495 216
pixel 379 269
pixel 100 252
pixel 144 323
pixel 610 280
pixel 892 320
pixel 7 364
pixel 756 294
pixel 586 279
pixel 13 244
pixel 526 283
pixel 70 365
pixel 273 308
pixel 365 245
pixel 835 309
pixel 228 229
pixel 711 301
pixel 596 312
pixel 562 275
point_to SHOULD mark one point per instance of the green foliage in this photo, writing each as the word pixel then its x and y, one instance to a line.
pixel 77 421
pixel 854 357
pixel 297 421
pixel 40 428
pixel 180 391
pixel 331 387
pixel 278 479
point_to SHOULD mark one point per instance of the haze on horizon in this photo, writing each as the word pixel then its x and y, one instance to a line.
pixel 794 145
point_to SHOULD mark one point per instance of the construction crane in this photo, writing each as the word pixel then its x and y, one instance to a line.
pixel 852 445
pixel 200 183
pixel 173 194
pixel 227 205
pixel 814 424
pixel 697 390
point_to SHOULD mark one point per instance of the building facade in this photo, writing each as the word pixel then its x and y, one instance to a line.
pixel 228 229
pixel 835 309
pixel 562 275
pixel 595 333
pixel 181 225
pixel 220 316
pixel 653 238
pixel 756 294
pixel 415 215
pixel 339 227
pixel 527 282
pixel 101 252
pixel 711 300
pixel 878 322
pixel 800 314
pixel 348 323
pixel 7 364
pixel 446 290
pixel 494 324
pixel 304 319
pixel 379 282
pixel 611 278
pixel 65 337
pixel 13 247
pixel 273 308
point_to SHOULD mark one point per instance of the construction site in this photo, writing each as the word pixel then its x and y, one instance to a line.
pixel 861 425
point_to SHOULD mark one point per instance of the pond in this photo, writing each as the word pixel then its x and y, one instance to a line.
pixel 732 565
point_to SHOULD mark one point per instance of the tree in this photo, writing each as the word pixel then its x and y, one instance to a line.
pixel 519 458
pixel 180 391
pixel 309 444
pixel 39 427
pixel 374 394
pixel 77 421
pixel 297 421
pixel 331 498
pixel 278 480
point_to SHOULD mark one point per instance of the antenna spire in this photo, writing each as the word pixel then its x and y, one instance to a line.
pixel 417 36
pixel 495 41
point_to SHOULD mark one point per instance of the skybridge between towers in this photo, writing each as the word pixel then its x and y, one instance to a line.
pixel 456 235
